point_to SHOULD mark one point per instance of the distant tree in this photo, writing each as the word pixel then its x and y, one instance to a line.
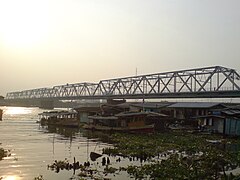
pixel 1 97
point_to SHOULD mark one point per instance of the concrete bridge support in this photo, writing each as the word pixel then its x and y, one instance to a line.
pixel 46 104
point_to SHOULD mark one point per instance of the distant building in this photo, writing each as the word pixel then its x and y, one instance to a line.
pixel 207 116
pixel 187 110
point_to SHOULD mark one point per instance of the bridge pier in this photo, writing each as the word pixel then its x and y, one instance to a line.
pixel 46 104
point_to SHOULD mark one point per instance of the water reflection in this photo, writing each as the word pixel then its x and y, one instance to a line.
pixel 65 131
pixel 71 133
pixel 34 147
pixel 17 110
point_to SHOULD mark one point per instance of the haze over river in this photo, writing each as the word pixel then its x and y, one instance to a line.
pixel 33 147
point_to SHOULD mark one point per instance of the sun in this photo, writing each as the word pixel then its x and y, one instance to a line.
pixel 23 23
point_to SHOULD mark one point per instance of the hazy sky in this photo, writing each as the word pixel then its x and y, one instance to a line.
pixel 52 42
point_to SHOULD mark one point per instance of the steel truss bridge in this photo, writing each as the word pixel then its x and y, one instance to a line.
pixel 207 82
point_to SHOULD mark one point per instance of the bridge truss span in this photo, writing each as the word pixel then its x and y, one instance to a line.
pixel 216 81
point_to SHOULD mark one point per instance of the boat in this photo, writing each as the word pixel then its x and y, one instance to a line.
pixel 136 122
pixel 94 156
pixel 59 118
pixel 141 129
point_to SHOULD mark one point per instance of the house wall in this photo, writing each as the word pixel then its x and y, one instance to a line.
pixel 177 113
pixel 232 126
pixel 136 124
pixel 134 109
pixel 214 124
pixel 136 121
pixel 186 113
pixel 147 109
pixel 218 125
pixel 84 117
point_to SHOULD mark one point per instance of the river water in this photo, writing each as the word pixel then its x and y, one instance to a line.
pixel 32 147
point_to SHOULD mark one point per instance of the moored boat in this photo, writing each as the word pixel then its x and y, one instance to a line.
pixel 126 122
pixel 140 129
pixel 59 118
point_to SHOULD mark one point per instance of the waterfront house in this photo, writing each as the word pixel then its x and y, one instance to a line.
pixel 187 110
pixel 123 116
pixel 232 121
pixel 211 123
pixel 149 106
pixel 84 111
pixel 224 121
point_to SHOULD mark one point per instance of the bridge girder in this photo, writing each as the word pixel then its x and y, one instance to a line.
pixel 214 82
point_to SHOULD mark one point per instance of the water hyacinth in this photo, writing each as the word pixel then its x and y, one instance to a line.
pixel 172 155
pixel 175 155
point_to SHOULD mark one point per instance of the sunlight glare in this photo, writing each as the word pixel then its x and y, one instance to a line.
pixel 10 178
pixel 17 110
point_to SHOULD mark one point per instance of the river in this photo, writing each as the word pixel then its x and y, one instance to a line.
pixel 32 147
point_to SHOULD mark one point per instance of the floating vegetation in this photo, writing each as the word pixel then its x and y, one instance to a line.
pixel 40 177
pixel 61 165
pixel 129 145
pixel 175 155
pixel 85 169
pixel 110 170
pixel 205 166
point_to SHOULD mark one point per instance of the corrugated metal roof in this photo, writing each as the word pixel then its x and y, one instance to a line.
pixel 121 106
pixel 233 106
pixel 125 114
pixel 103 117
pixel 194 105
pixel 57 113
pixel 208 116
pixel 231 112
pixel 152 105
pixel 88 109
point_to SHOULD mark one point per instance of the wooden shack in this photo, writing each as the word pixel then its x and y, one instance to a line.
pixel 187 110
pixel 232 121
pixel 85 111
